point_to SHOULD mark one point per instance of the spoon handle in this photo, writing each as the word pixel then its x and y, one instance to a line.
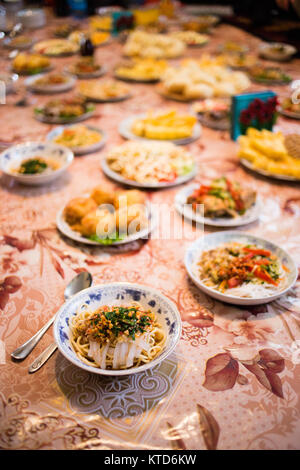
pixel 42 358
pixel 22 351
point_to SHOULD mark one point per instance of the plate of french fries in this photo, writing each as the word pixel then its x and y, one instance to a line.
pixel 170 126
pixel 269 154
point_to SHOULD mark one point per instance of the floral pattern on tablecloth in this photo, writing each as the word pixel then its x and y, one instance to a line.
pixel 233 382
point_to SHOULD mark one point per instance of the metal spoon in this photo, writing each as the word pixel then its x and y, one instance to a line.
pixel 81 281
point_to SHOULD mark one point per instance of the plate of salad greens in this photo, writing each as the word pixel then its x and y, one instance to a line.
pixel 64 110
pixel 269 75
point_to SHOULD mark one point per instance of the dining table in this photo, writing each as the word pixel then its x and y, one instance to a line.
pixel 233 381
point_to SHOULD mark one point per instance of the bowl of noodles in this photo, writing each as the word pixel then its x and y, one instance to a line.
pixel 117 329
pixel 240 268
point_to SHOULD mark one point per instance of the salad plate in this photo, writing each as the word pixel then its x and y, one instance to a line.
pixel 186 210
pixel 251 292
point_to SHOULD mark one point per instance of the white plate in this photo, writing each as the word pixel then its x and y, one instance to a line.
pixel 106 100
pixel 24 73
pixel 31 84
pixel 79 150
pixel 13 156
pixel 118 293
pixel 7 42
pixel 259 171
pixel 39 47
pixel 214 240
pixel 120 179
pixel 58 120
pixel 186 210
pixel 125 131
pixel 68 232
pixel 84 76
pixel 289 114
pixel 214 124
pixel 266 81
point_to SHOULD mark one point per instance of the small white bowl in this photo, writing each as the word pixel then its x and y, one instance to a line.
pixel 13 157
pixel 214 240
pixel 9 80
pixel 118 293
pixel 266 52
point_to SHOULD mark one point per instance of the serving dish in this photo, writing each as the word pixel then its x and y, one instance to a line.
pixel 289 109
pixel 9 80
pixel 269 75
pixel 18 42
pixel 109 91
pixel 118 293
pixel 56 47
pixel 14 156
pixel 30 64
pixel 271 154
pixel 277 51
pixel 185 209
pixel 126 132
pixel 214 240
pixel 86 70
pixel 260 171
pixel 82 149
pixel 61 83
pixel 69 230
pixel 64 111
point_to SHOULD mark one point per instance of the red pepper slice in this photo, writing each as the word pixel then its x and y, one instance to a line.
pixel 235 196
pixel 261 274
pixel 255 251
pixel 171 177
pixel 233 282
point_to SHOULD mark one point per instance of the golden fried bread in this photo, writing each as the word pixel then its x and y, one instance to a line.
pixel 77 208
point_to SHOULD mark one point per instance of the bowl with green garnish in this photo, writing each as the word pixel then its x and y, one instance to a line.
pixel 35 163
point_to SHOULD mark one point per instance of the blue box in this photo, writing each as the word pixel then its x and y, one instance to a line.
pixel 240 103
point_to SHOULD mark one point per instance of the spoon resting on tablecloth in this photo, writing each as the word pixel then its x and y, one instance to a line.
pixel 78 283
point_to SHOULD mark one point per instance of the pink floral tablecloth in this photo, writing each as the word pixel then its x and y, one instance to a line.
pixel 234 379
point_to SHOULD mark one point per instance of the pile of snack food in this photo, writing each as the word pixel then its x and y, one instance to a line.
pixel 268 151
pixel 198 79
pixel 150 162
pixel 105 213
pixel 191 38
pixel 164 125
pixel 26 63
pixel 160 46
pixel 141 69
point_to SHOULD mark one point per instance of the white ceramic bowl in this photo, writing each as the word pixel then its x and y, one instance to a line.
pixel 214 240
pixel 266 52
pixel 9 80
pixel 118 293
pixel 13 157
